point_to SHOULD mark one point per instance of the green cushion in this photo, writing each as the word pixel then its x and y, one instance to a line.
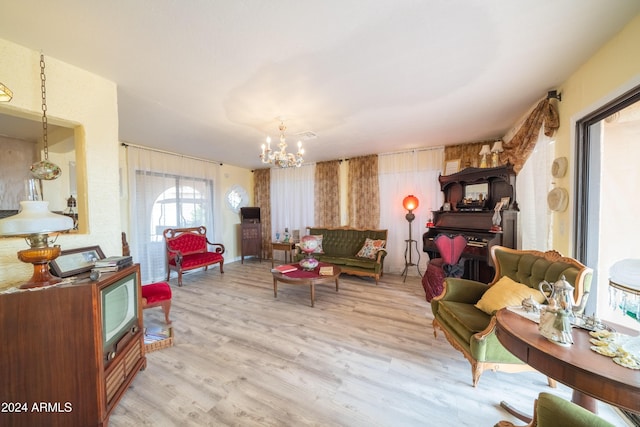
pixel 553 411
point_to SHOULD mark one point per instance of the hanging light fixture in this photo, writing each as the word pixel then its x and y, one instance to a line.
pixel 44 169
pixel 5 93
pixel 280 157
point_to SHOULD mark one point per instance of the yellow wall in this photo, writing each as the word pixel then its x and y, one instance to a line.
pixel 612 71
pixel 89 102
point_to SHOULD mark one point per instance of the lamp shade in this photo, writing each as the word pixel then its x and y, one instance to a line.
pixel 626 273
pixel 497 147
pixel 34 218
pixel 410 202
pixel 5 93
pixel 485 150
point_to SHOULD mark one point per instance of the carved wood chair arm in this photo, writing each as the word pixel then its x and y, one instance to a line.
pixel 218 247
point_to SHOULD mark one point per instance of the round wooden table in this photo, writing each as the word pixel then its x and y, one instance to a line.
pixel 303 277
pixel 590 375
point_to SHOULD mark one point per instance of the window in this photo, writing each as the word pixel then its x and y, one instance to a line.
pixel 607 188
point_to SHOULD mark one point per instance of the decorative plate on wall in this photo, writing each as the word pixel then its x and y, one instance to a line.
pixel 236 198
pixel 559 167
pixel 558 199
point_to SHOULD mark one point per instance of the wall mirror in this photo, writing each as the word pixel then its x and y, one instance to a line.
pixel 236 198
pixel 21 145
pixel 476 191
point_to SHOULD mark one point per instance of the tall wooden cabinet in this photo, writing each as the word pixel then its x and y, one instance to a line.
pixel 250 233
pixel 54 369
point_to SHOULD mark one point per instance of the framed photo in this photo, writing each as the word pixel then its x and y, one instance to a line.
pixel 451 166
pixel 505 202
pixel 76 261
pixel 446 206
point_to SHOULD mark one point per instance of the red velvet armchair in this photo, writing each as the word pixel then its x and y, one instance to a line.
pixel 187 250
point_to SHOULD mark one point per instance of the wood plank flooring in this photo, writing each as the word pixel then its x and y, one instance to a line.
pixel 364 356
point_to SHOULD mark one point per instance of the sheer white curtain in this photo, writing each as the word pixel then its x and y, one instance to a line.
pixel 401 174
pixel 167 191
pixel 532 185
pixel 292 199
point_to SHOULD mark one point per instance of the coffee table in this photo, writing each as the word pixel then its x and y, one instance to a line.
pixel 303 277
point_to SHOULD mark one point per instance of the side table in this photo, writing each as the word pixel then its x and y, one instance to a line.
pixel 287 247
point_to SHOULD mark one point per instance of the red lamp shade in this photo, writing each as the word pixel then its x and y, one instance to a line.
pixel 410 202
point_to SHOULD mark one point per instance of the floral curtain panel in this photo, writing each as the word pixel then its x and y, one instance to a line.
pixel 327 179
pixel 262 198
pixel 364 192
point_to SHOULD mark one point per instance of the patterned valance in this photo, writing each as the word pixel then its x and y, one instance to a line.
pixel 517 150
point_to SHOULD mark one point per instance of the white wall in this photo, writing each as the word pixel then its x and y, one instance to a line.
pixel 88 102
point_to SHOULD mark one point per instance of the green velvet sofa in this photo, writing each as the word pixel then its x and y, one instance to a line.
pixel 340 246
pixel 472 331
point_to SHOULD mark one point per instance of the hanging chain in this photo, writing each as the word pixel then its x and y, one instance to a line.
pixel 44 108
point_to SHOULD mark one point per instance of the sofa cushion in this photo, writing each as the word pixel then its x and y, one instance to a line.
pixel 506 292
pixel 197 260
pixel 370 248
pixel 463 318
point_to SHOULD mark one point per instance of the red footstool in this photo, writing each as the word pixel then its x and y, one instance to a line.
pixel 157 295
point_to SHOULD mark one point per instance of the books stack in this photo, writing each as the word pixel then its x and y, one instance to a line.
pixel 285 268
pixel 112 263
pixel 326 271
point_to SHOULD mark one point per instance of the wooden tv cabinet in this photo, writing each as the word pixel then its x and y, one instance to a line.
pixel 53 369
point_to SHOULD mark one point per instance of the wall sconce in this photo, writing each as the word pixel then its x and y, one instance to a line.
pixel 495 153
pixel 5 93
pixel 484 153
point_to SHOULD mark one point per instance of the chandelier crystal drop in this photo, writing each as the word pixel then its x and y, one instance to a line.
pixel 280 157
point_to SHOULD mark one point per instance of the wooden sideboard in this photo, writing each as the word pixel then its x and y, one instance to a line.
pixel 54 368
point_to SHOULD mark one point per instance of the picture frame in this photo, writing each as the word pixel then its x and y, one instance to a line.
pixel 446 206
pixel 76 261
pixel 451 166
pixel 505 202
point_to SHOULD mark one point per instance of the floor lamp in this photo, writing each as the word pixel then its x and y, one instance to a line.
pixel 410 203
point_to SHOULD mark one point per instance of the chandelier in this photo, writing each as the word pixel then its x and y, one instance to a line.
pixel 280 157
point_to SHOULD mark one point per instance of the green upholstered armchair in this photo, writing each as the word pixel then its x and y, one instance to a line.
pixel 552 411
pixel 472 331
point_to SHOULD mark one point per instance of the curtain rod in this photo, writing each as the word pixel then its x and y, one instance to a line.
pixel 439 147
pixel 157 150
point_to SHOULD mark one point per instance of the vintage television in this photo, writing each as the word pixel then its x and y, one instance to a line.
pixel 119 306
pixel 250 214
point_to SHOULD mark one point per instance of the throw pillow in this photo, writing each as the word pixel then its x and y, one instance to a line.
pixel 370 248
pixel 319 249
pixel 506 292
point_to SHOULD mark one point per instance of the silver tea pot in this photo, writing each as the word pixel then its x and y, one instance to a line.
pixel 562 292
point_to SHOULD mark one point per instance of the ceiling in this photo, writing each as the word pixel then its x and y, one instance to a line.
pixel 211 78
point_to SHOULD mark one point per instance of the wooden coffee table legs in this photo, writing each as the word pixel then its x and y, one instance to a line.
pixel 311 286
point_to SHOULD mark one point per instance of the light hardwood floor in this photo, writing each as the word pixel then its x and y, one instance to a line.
pixel 364 356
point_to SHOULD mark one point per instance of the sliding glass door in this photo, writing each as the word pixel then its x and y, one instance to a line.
pixel 608 195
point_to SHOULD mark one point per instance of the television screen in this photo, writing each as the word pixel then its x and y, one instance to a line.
pixel 119 309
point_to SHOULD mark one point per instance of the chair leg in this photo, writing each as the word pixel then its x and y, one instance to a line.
pixel 166 308
pixel 221 267
pixel 179 277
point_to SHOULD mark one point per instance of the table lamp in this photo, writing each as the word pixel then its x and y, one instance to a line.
pixel 484 152
pixel 34 222
pixel 624 283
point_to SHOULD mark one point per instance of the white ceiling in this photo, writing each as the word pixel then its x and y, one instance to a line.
pixel 209 78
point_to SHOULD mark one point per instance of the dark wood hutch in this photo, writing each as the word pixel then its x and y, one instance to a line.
pixel 470 197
